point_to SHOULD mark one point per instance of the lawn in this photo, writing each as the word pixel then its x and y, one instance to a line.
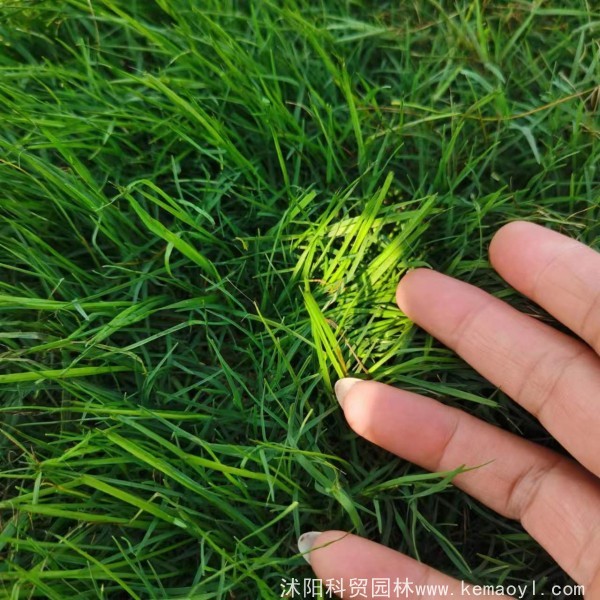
pixel 205 207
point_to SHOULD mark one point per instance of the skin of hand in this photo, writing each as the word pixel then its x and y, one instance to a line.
pixel 554 376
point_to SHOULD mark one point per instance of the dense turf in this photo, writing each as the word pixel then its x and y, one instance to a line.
pixel 205 206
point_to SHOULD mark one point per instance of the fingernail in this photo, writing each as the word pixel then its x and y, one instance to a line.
pixel 342 387
pixel 305 543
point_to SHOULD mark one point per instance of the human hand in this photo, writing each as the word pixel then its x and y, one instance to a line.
pixel 554 376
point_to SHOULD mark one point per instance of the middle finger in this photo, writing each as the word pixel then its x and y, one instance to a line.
pixel 556 500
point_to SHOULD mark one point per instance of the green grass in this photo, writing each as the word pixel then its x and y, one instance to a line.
pixel 205 207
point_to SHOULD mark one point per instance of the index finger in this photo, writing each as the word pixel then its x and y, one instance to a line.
pixel 354 567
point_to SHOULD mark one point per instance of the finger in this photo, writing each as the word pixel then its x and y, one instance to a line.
pixel 559 273
pixel 551 374
pixel 556 500
pixel 341 559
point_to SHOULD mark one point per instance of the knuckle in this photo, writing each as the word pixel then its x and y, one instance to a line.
pixel 545 376
pixel 524 492
pixel 463 330
pixel 445 446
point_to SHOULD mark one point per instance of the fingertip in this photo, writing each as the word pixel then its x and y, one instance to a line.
pixel 404 289
pixel 342 557
pixel 343 386
pixel 505 238
pixel 321 547
pixel 358 404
